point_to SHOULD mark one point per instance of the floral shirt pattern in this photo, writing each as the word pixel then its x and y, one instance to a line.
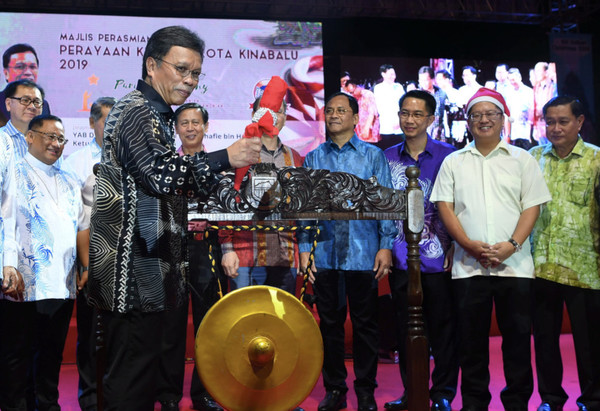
pixel 566 237
pixel 48 215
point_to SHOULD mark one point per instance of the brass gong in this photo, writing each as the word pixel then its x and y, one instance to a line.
pixel 258 348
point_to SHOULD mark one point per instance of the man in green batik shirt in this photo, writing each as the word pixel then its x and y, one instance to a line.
pixel 566 241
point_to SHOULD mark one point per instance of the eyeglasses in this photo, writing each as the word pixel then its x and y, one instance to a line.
pixel 184 71
pixel 417 115
pixel 51 137
pixel 491 115
pixel 340 111
pixel 23 67
pixel 26 101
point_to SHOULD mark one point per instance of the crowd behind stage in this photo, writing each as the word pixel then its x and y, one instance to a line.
pixel 511 221
pixel 378 123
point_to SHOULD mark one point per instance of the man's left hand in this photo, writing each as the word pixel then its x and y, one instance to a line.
pixel 82 279
pixel 12 282
pixel 498 252
pixel 383 263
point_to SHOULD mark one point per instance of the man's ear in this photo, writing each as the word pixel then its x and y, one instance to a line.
pixel 151 65
pixel 29 137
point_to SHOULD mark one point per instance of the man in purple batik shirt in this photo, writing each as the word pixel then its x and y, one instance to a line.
pixel 417 110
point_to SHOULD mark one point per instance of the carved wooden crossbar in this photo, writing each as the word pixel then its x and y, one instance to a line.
pixel 296 193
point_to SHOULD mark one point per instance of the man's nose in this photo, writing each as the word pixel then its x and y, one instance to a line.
pixel 190 81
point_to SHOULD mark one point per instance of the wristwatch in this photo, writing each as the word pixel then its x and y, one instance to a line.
pixel 515 244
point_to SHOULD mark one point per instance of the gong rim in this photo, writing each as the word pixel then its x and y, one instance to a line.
pixel 231 345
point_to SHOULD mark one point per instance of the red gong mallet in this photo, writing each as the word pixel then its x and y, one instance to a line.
pixel 264 119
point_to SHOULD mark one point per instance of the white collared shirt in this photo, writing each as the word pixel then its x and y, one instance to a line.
pixel 386 99
pixel 489 194
pixel 81 163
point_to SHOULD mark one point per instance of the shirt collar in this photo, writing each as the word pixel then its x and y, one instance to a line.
pixel 181 153
pixel 502 147
pixel 354 143
pixel 577 150
pixel 279 145
pixel 95 146
pixel 34 162
pixel 12 130
pixel 154 98
pixel 429 148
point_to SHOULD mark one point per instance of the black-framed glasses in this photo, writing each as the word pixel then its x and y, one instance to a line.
pixel 26 101
pixel 51 137
pixel 23 67
pixel 184 71
pixel 491 115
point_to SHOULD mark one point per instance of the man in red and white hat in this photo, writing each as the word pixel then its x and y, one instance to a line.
pixel 489 195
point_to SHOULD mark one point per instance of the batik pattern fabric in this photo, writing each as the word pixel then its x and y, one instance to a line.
pixel 435 240
pixel 7 203
pixel 139 219
pixel 350 245
pixel 566 237
pixel 49 214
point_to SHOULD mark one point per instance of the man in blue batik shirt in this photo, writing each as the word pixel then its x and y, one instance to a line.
pixel 350 258
pixel 417 109
pixel 48 216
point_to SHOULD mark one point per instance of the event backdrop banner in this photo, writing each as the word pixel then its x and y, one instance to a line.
pixel 83 57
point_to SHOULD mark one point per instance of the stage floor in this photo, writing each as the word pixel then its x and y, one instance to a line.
pixel 388 379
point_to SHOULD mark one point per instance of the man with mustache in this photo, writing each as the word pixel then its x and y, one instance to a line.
pixel 137 246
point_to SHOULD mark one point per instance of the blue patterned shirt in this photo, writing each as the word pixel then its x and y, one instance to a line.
pixel 350 245
pixel 434 239
pixel 49 213
pixel 19 143
pixel 7 191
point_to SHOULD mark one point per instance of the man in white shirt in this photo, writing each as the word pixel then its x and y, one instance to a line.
pixel 387 94
pixel 469 76
pixel 81 163
pixel 48 216
pixel 520 101
pixel 503 85
pixel 489 195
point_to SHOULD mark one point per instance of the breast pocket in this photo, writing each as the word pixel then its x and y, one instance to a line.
pixel 578 191
pixel 509 188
